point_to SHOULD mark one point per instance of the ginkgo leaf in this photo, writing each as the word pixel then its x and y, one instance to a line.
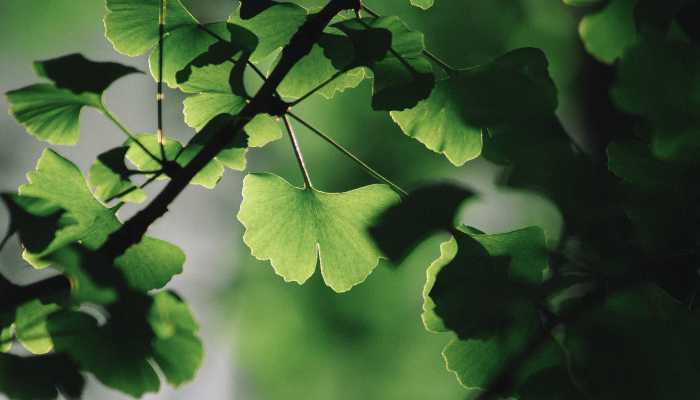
pixel 52 112
pixel 608 33
pixel 273 27
pixel 251 8
pixel 77 73
pixel 6 321
pixel 293 227
pixel 511 89
pixel 177 350
pixel 61 182
pixel 30 326
pixel 40 377
pixel 669 105
pixel 215 97
pixel 132 27
pixel 36 220
pixel 424 4
pixel 390 50
pixel 110 176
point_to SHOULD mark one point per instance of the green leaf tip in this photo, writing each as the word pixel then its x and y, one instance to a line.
pixel 294 227
pixel 424 4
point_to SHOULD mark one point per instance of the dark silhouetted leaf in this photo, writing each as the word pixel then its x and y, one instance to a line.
pixel 36 220
pixel 79 74
pixel 40 377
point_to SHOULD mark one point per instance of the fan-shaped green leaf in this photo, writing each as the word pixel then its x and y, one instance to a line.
pixel 110 176
pixel 608 33
pixel 52 112
pixel 670 105
pixel 509 90
pixel 177 350
pixel 132 26
pixel 208 177
pixel 216 97
pixel 40 377
pixel 273 27
pixel 424 4
pixel 293 227
pixel 36 220
pixel 390 50
pixel 30 326
pixel 61 182
pixel 79 74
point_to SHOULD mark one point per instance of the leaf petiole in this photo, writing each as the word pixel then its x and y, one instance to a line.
pixel 126 130
pixel 317 88
pixel 362 165
pixel 297 151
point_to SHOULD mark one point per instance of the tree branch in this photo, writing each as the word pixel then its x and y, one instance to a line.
pixel 264 101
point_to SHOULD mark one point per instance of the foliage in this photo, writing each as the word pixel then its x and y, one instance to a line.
pixel 608 312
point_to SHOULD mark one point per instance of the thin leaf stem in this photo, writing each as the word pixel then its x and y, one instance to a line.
pixel 159 97
pixel 128 133
pixel 297 151
pixel 362 165
pixel 448 70
pixel 317 88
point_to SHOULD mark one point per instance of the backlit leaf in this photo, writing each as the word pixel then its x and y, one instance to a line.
pixel 273 27
pixel 608 33
pixel 30 326
pixel 512 89
pixel 132 27
pixel 110 176
pixel 52 112
pixel 61 182
pixel 294 227
pixel 424 4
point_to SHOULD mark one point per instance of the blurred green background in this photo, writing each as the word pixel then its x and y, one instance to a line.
pixel 267 339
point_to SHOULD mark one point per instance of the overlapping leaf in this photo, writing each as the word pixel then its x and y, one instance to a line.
pixel 608 33
pixel 36 220
pixel 670 105
pixel 484 288
pixel 215 96
pixel 132 26
pixel 233 156
pixel 61 182
pixel 328 58
pixel 274 26
pixel 139 330
pixel 391 51
pixel 294 227
pixel 424 4
pixel 30 326
pixel 513 89
pixel 52 112
pixel 111 177
pixel 40 377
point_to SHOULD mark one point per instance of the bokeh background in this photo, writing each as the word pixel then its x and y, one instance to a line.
pixel 264 338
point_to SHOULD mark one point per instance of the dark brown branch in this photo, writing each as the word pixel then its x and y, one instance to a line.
pixel 299 46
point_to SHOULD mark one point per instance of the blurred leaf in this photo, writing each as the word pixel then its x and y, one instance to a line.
pixel 425 211
pixel 581 2
pixel 30 326
pixel 6 321
pixel 512 89
pixel 176 349
pixel 391 51
pixel 432 321
pixel 293 227
pixel 641 345
pixel 670 105
pixel 491 282
pixel 61 182
pixel 36 220
pixel 40 377
pixel 273 27
pixel 424 4
pixel 607 34
pixel 658 196
pixel 117 351
pixel 110 176
pixel 79 74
